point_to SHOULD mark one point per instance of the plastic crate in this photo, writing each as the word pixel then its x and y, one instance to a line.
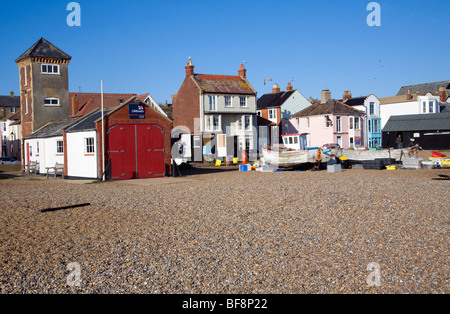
pixel 244 168
pixel 334 168
pixel 373 165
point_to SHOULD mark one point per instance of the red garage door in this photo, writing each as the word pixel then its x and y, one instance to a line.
pixel 136 151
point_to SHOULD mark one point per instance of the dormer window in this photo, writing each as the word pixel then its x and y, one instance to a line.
pixel 49 69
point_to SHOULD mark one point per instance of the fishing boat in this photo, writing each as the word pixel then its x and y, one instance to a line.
pixel 359 155
pixel 289 158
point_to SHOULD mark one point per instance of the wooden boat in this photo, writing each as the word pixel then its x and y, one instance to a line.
pixel 360 155
pixel 288 158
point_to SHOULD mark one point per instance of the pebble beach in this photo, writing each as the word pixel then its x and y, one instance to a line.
pixel 229 232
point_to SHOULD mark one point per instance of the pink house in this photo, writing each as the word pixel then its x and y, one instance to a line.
pixel 330 121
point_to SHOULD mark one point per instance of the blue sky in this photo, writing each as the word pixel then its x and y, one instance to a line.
pixel 139 46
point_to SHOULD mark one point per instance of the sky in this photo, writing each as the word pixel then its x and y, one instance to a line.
pixel 142 47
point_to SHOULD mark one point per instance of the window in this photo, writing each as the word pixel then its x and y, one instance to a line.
pixel 424 110
pixel 207 123
pixel 431 104
pixel 248 124
pixel 243 101
pixel 4 126
pixel 239 124
pixel 357 127
pixel 308 122
pixel 51 102
pixel 372 108
pixel 37 148
pixel 89 146
pixel 273 115
pixel 25 76
pixel 328 121
pixel 351 122
pixel 49 69
pixel 212 103
pixel 338 125
pixel 26 105
pixel 216 126
pixel 59 147
pixel 227 101
pixel 13 109
pixel 296 140
pixel 291 140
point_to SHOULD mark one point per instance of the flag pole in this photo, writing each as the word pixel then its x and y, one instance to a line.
pixel 103 136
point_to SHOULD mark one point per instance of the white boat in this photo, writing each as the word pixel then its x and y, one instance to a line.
pixel 360 155
pixel 288 158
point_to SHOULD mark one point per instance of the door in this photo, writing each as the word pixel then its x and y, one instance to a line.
pixel 150 151
pixel 122 152
pixel 136 151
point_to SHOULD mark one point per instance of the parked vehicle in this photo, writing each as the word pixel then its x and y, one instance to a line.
pixel 8 161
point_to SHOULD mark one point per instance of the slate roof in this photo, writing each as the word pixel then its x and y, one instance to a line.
pixel 223 84
pixel 418 122
pixel 52 129
pixel 331 107
pixel 44 49
pixel 357 101
pixel 9 101
pixel 13 117
pixel 274 99
pixel 87 123
pixel 424 88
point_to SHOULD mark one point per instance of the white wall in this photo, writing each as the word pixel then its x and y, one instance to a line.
pixel 79 163
pixel 296 103
pixel 47 156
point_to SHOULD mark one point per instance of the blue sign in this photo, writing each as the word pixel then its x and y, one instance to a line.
pixel 137 109
pixel 137 117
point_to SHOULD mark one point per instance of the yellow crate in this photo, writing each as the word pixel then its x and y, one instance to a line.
pixel 392 167
pixel 445 163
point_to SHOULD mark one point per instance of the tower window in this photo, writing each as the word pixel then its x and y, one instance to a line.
pixel 49 69
pixel 51 102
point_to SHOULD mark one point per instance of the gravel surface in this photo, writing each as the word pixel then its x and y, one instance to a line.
pixel 230 232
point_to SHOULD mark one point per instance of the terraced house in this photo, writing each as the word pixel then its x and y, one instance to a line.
pixel 218 115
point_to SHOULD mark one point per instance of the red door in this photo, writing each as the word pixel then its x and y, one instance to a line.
pixel 136 151
pixel 122 152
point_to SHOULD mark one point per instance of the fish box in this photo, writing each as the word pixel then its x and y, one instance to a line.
pixel 334 168
pixel 412 163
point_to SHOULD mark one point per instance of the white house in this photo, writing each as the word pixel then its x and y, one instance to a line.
pixel 46 145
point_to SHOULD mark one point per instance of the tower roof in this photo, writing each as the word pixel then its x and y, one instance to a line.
pixel 44 49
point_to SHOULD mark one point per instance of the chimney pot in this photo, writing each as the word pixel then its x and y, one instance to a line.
pixel 189 68
pixel 276 88
pixel 242 72
pixel 289 87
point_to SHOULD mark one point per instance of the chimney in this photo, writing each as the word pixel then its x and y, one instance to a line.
pixel 346 96
pixel 242 72
pixel 289 87
pixel 189 68
pixel 443 94
pixel 74 104
pixel 409 95
pixel 326 96
pixel 276 88
pixel 11 94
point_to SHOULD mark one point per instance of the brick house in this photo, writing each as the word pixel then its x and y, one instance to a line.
pixel 218 113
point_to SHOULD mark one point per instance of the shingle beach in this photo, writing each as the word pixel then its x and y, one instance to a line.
pixel 229 232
